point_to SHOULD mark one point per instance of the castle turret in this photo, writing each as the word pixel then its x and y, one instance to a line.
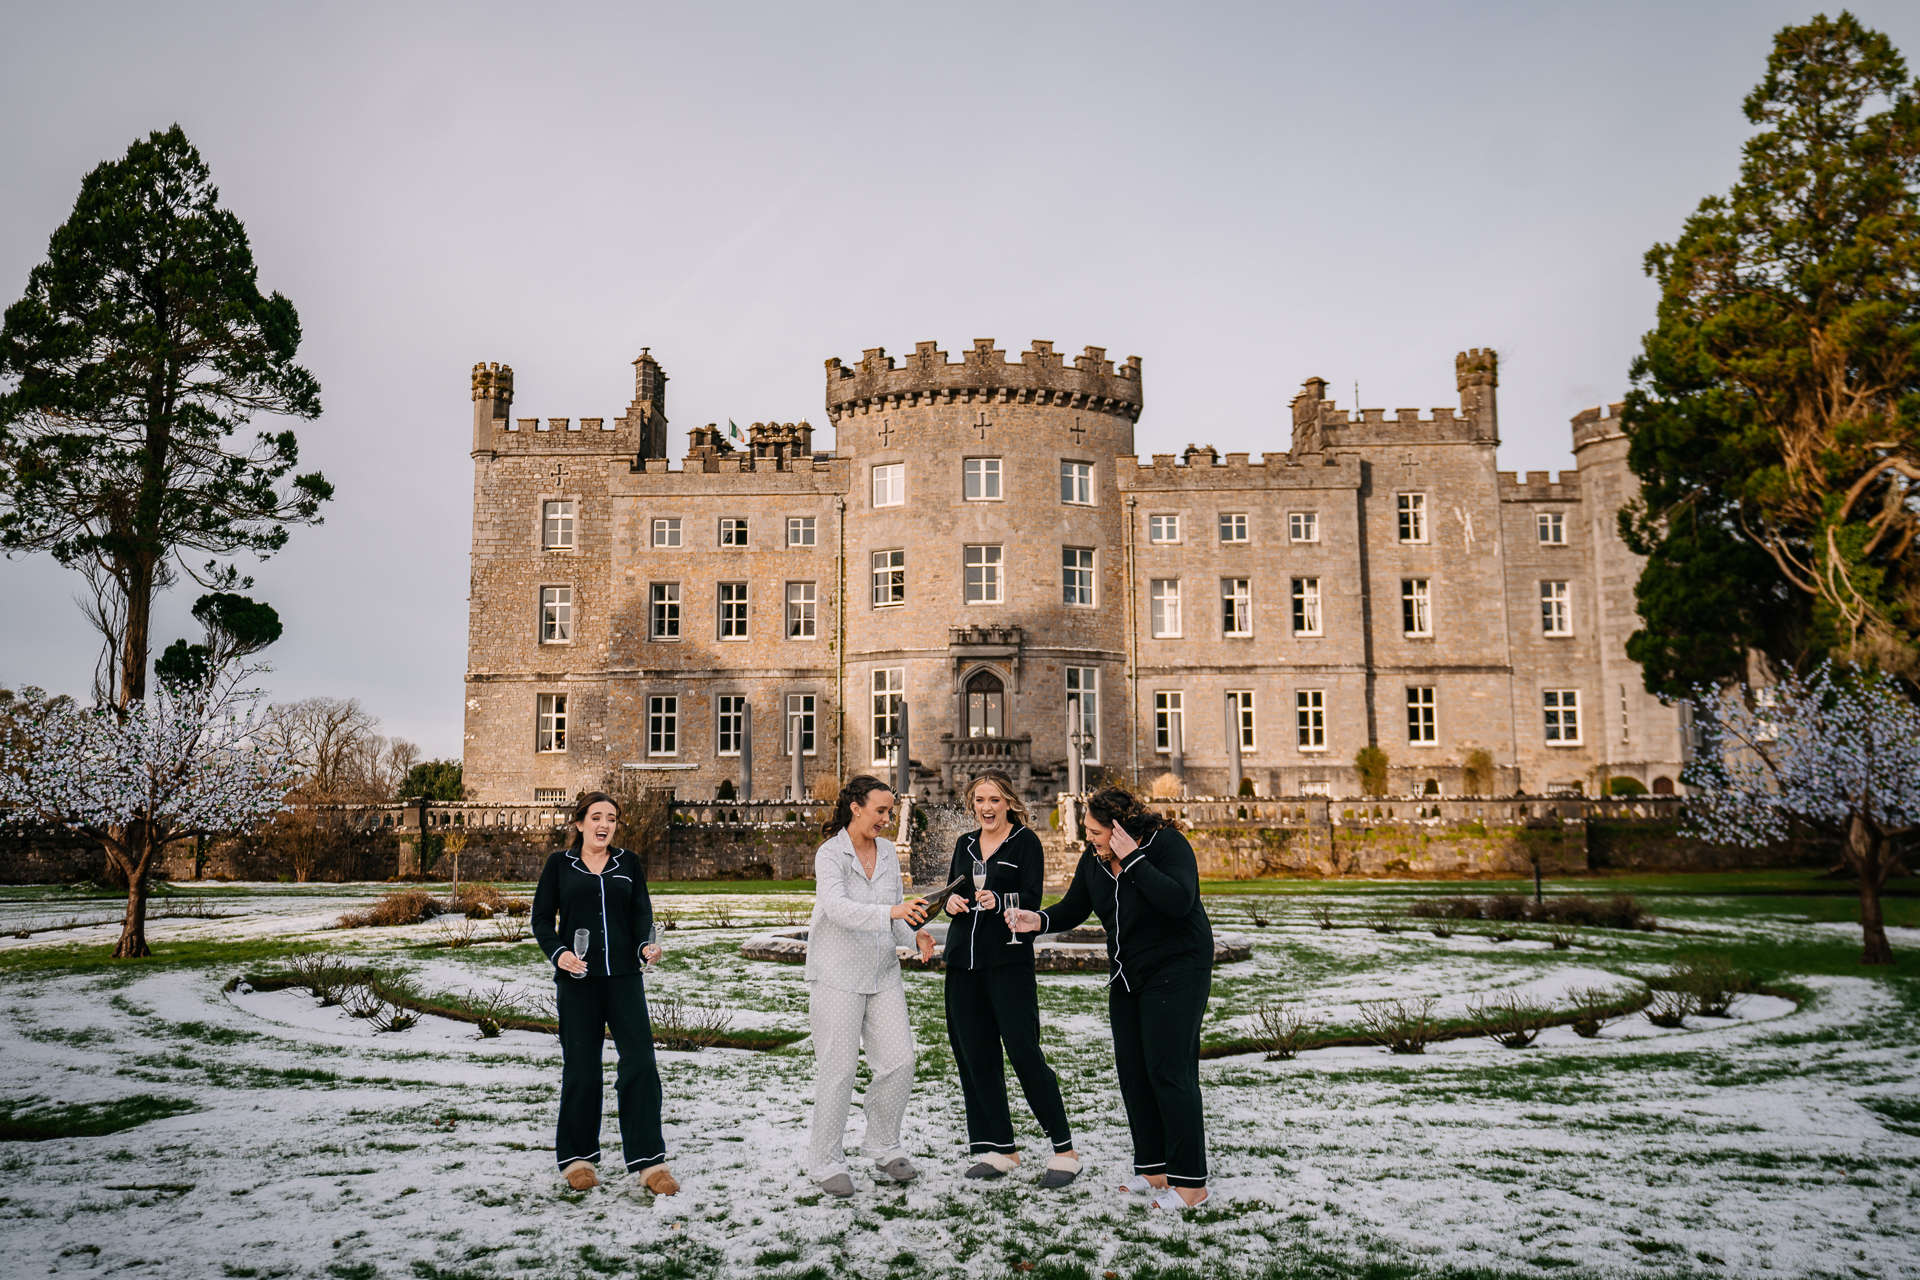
pixel 648 412
pixel 1476 372
pixel 492 397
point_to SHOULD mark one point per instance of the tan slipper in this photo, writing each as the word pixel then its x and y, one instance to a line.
pixel 659 1181
pixel 580 1176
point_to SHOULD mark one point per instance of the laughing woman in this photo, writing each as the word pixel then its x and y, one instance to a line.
pixel 594 889
pixel 992 997
pixel 1139 875
pixel 854 990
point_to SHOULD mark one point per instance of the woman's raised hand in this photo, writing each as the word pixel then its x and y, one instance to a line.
pixel 956 905
pixel 570 962
pixel 1024 921
pixel 914 913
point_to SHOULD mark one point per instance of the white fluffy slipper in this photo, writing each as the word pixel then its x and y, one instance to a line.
pixel 1137 1185
pixel 1170 1199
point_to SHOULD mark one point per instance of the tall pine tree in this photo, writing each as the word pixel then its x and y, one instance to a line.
pixel 1775 413
pixel 130 374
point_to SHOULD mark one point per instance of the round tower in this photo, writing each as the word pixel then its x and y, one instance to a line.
pixel 985 575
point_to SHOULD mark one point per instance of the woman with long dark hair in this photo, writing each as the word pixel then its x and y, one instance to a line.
pixel 993 999
pixel 854 989
pixel 594 893
pixel 1139 875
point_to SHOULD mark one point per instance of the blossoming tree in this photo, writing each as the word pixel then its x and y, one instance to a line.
pixel 190 760
pixel 1837 751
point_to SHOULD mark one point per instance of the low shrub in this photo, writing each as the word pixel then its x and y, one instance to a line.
pixel 1562 939
pixel 1281 1029
pixel 1461 908
pixel 1402 1026
pixel 327 977
pixel 1510 1021
pixel 509 928
pixel 1427 909
pixel 480 901
pixel 1670 1008
pixel 1258 917
pixel 1593 1009
pixel 667 917
pixel 1504 907
pixel 1381 922
pixel 1712 980
pixel 680 1023
pixel 722 913
pixel 459 934
pixel 1322 913
pixel 402 906
pixel 492 1007
pixel 1441 931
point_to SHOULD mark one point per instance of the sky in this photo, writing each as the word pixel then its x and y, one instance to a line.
pixel 1244 196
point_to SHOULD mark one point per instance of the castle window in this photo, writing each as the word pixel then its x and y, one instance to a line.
pixel 1420 715
pixel 1310 719
pixel 982 480
pixel 666 531
pixel 1413 517
pixel 1164 614
pixel 1306 606
pixel 1562 710
pixel 1556 609
pixel 889 578
pixel 1169 721
pixel 551 728
pixel 663 613
pixel 733 610
pixel 1553 528
pixel 983 575
pixel 801 622
pixel 1416 607
pixel 729 723
pixel 663 724
pixel 1303 526
pixel 556 796
pixel 800 531
pixel 556 615
pixel 1076 575
pixel 733 531
pixel 800 717
pixel 1163 528
pixel 890 485
pixel 1236 607
pixel 1240 709
pixel 986 706
pixel 556 521
pixel 1076 483
pixel 889 685
pixel 1233 526
pixel 1083 709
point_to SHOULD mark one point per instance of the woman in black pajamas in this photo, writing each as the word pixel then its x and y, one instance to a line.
pixel 992 999
pixel 1140 877
pixel 603 890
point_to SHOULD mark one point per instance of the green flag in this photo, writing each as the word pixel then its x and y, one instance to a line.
pixel 733 429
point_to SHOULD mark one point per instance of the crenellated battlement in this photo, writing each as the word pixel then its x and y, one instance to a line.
pixel 1539 486
pixel 641 430
pixel 1602 422
pixel 983 375
pixel 1204 469
pixel 770 445
pixel 493 382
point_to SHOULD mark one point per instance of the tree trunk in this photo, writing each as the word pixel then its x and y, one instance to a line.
pixel 135 856
pixel 1866 854
pixel 134 645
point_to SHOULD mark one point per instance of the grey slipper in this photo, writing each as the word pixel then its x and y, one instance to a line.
pixel 838 1185
pixel 1058 1177
pixel 985 1172
pixel 900 1169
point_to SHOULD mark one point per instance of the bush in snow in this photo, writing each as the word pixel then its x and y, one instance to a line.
pixel 1402 1026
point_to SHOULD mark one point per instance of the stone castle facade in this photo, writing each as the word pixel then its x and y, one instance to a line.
pixel 983 548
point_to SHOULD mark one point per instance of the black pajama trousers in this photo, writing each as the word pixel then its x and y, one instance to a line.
pixel 987 1008
pixel 1156 1053
pixel 589 1007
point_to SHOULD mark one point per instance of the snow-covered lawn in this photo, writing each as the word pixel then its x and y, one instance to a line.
pixel 1784 1140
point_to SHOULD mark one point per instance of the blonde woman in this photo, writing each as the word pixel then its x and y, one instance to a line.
pixel 854 989
pixel 993 999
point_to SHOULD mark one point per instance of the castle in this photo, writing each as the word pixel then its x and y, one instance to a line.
pixel 983 549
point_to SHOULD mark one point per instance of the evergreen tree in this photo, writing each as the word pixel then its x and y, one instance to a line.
pixel 1775 413
pixel 129 377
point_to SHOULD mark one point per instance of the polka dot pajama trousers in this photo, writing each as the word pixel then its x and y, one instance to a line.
pixel 842 1020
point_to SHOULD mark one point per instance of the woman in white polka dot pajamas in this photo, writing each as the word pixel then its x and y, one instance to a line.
pixel 854 988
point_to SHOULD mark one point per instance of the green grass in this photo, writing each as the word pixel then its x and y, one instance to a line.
pixel 34 1119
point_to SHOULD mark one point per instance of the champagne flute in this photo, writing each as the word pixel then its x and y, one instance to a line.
pixel 653 940
pixel 581 940
pixel 1011 901
pixel 979 879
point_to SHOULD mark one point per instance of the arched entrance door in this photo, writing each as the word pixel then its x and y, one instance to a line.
pixel 986 706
